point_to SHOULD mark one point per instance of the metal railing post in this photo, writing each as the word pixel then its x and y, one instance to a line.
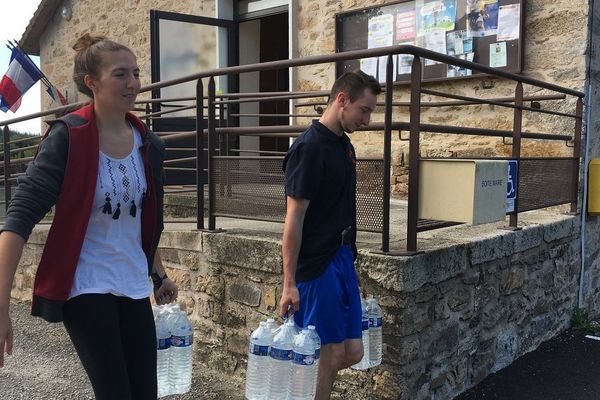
pixel 148 110
pixel 516 148
pixel 387 154
pixel 577 153
pixel 211 152
pixel 7 189
pixel 413 156
pixel 199 154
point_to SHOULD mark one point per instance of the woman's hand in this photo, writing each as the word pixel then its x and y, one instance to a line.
pixel 165 293
pixel 6 336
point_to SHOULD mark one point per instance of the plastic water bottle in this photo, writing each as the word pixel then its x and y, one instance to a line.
pixel 304 370
pixel 280 360
pixel 364 363
pixel 163 344
pixel 375 323
pixel 272 325
pixel 317 340
pixel 180 360
pixel 258 362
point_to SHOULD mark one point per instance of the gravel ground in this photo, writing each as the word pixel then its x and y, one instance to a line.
pixel 44 366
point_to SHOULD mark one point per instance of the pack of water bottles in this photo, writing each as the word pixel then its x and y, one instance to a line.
pixel 372 321
pixel 174 337
pixel 282 362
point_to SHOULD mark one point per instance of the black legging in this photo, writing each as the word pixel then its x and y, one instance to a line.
pixel 115 339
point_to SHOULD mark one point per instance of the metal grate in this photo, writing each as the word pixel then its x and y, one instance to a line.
pixel 545 182
pixel 369 195
pixel 253 188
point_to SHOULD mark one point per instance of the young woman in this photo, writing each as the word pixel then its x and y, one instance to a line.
pixel 102 169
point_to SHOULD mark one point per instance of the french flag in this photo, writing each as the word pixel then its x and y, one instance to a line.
pixel 21 75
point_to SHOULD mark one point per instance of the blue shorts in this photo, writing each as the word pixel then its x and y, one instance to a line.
pixel 331 302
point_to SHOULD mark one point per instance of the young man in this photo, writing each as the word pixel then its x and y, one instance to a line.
pixel 320 285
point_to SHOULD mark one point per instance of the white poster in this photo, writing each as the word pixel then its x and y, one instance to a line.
pixel 434 40
pixel 498 55
pixel 369 66
pixel 383 68
pixel 381 31
pixel 509 18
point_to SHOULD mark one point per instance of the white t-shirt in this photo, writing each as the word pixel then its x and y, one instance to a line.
pixel 111 258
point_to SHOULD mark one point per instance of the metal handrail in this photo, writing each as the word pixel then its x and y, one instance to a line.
pixel 206 110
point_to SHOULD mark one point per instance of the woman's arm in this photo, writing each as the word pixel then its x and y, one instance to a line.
pixel 165 290
pixel 11 248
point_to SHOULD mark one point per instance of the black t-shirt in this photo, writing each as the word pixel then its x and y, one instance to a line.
pixel 320 166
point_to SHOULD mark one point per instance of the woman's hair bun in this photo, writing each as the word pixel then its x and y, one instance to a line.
pixel 86 41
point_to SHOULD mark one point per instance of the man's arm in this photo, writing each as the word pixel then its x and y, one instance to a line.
pixel 290 247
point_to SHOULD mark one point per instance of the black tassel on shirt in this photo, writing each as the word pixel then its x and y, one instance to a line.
pixel 133 209
pixel 107 209
pixel 117 211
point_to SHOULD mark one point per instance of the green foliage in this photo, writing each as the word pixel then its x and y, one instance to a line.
pixel 20 144
pixel 580 320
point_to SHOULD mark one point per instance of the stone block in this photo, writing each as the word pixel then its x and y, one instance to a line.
pixel 180 277
pixel 459 299
pixel 389 386
pixel 245 293
pixel 507 348
pixel 426 294
pixel 434 266
pixel 527 238
pixel 439 342
pixel 404 350
pixel 213 286
pixel 457 373
pixel 183 240
pixel 240 251
pixel 511 281
pixel 491 248
pixel 561 229
pixel 385 271
pixel 271 299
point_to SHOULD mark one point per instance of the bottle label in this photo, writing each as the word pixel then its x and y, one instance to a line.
pixel 375 322
pixel 259 350
pixel 303 359
pixel 280 354
pixel 181 341
pixel 163 344
pixel 317 353
pixel 365 325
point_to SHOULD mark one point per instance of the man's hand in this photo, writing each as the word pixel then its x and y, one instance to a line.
pixel 166 293
pixel 290 300
pixel 6 336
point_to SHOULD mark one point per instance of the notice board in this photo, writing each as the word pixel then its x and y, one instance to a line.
pixel 488 32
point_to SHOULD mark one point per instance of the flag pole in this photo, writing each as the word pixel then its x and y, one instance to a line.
pixel 43 76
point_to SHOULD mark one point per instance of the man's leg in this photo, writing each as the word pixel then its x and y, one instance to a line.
pixel 335 357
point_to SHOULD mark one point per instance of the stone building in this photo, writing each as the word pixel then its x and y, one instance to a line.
pixel 475 301
pixel 553 52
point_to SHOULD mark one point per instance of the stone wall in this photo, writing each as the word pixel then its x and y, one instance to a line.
pixel 451 316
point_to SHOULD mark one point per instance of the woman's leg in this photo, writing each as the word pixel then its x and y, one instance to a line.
pixel 138 338
pixel 92 321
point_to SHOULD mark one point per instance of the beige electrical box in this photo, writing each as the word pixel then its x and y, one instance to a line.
pixel 468 191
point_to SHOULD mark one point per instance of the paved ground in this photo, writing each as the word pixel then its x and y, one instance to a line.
pixel 44 366
pixel 566 367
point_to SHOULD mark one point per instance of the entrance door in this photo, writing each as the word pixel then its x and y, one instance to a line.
pixel 264 36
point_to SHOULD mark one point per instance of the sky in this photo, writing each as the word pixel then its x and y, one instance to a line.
pixel 13 21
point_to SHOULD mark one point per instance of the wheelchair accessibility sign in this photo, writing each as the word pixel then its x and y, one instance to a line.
pixel 511 187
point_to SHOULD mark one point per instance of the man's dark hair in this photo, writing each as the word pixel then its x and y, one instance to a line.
pixel 354 83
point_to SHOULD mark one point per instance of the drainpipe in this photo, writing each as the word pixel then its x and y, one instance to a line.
pixel 588 93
